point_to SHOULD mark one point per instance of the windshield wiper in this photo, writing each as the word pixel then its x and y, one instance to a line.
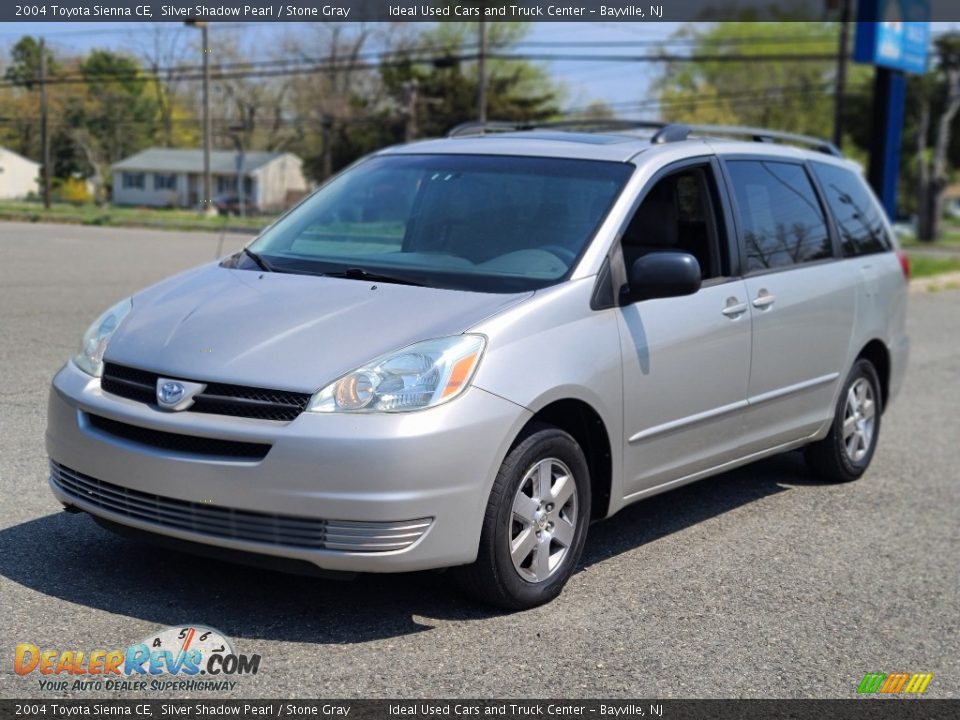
pixel 261 263
pixel 355 273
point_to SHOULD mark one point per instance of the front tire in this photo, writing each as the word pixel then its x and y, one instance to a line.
pixel 535 523
pixel 845 454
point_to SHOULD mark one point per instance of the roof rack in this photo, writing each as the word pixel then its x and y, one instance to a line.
pixel 666 132
pixel 768 136
pixel 469 129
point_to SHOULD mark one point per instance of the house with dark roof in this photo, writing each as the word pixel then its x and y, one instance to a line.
pixel 163 177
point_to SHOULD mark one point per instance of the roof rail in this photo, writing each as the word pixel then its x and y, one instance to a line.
pixel 666 132
pixel 764 135
pixel 598 125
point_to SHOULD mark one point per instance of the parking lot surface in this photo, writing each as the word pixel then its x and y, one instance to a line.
pixel 762 582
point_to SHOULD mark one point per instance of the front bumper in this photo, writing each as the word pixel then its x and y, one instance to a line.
pixel 356 493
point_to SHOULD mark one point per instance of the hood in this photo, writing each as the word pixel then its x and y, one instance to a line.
pixel 283 331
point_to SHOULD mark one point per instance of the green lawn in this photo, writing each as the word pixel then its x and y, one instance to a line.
pixel 925 266
pixel 949 235
pixel 167 219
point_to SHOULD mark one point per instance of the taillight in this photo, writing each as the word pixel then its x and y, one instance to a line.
pixel 904 264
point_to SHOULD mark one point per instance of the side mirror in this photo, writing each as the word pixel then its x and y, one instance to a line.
pixel 661 275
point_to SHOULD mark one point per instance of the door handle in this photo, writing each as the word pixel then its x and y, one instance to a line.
pixel 734 308
pixel 764 299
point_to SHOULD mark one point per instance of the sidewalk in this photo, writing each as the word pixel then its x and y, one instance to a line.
pixel 933 250
pixel 935 283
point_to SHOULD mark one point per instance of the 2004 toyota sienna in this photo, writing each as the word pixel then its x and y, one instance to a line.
pixel 460 352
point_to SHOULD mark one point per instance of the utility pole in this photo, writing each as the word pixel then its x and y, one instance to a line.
pixel 482 73
pixel 44 131
pixel 326 126
pixel 841 82
pixel 236 134
pixel 207 132
pixel 410 101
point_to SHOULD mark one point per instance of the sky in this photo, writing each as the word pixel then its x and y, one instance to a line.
pixel 612 82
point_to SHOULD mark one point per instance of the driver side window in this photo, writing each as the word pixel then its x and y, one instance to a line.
pixel 679 214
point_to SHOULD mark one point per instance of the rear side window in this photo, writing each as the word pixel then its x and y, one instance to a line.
pixel 780 216
pixel 857 215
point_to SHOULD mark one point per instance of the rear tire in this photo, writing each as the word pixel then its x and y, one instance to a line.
pixel 535 523
pixel 845 454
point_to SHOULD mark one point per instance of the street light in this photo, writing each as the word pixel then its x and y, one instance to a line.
pixel 207 190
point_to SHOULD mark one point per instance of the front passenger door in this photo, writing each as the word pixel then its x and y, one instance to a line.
pixel 686 360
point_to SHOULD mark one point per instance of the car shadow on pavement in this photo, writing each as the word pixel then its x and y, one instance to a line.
pixel 672 511
pixel 69 557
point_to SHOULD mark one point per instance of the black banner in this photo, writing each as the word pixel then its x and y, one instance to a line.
pixel 854 709
pixel 431 10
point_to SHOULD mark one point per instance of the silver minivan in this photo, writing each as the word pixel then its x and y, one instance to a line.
pixel 461 352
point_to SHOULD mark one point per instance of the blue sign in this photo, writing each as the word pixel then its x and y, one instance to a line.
pixel 893 34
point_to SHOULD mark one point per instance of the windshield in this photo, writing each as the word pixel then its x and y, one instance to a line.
pixel 489 223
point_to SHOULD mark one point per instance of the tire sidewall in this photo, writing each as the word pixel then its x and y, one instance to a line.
pixel 541 445
pixel 854 469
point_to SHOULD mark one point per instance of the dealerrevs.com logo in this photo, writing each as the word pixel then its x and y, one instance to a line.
pixel 187 657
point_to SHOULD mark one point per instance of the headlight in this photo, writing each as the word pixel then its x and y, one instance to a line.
pixel 95 339
pixel 418 376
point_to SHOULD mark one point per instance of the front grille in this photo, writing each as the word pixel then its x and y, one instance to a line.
pixel 223 522
pixel 191 444
pixel 216 398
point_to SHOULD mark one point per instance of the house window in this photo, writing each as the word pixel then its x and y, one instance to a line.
pixel 227 184
pixel 133 180
pixel 163 181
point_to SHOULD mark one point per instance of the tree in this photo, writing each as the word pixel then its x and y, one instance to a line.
pixel 932 163
pixel 24 67
pixel 517 90
pixel 343 112
pixel 20 107
pixel 114 117
pixel 784 94
pixel 594 110
pixel 162 49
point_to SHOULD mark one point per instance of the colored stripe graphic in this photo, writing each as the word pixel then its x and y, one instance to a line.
pixel 871 682
pixel 894 683
pixel 918 683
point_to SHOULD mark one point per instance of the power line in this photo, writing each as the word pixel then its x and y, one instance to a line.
pixel 767 96
pixel 308 66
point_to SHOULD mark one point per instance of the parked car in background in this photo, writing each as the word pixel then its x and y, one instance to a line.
pixel 461 352
pixel 227 205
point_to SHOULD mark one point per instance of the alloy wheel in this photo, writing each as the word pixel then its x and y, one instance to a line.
pixel 544 520
pixel 859 419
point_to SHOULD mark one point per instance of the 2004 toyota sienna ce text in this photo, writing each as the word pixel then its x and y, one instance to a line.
pixel 459 352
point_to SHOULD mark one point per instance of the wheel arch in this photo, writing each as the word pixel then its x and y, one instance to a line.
pixel 879 356
pixel 583 422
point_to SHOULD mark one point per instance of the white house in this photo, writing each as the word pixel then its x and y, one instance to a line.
pixel 18 175
pixel 161 177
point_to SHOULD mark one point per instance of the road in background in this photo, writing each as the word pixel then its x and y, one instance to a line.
pixel 761 582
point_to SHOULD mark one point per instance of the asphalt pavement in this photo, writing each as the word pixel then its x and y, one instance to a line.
pixel 762 582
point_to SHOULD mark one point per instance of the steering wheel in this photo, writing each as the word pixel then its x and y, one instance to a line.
pixel 565 254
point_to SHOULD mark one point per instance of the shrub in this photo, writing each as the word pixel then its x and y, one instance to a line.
pixel 75 192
